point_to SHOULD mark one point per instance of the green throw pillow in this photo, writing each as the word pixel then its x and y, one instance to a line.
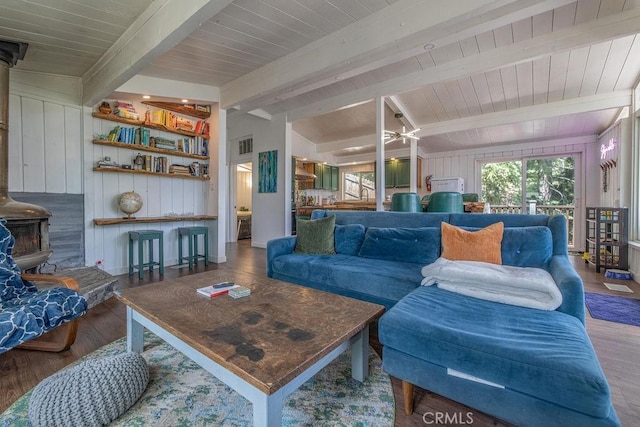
pixel 315 236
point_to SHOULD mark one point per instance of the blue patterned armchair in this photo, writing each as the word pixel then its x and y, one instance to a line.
pixel 27 313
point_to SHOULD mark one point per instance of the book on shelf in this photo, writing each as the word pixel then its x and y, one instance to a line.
pixel 113 134
pixel 217 289
pixel 145 135
pixel 108 164
pixel 126 111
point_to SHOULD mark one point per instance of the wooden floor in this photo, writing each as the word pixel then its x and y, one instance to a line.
pixel 617 346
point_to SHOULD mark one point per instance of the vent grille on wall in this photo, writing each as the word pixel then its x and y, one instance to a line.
pixel 245 146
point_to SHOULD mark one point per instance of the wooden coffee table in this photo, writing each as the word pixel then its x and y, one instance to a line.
pixel 265 345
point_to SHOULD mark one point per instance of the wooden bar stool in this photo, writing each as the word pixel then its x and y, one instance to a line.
pixel 140 237
pixel 192 234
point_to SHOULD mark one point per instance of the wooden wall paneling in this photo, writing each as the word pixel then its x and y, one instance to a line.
pixel 457 169
pixel 152 196
pixel 188 190
pixel 165 192
pixel 114 246
pixel 16 178
pixel 446 168
pixel 33 145
pixel 472 184
pixel 54 148
pixel 177 200
pixel 140 185
pixel 73 150
pixel 95 208
pixel 244 190
pixel 111 187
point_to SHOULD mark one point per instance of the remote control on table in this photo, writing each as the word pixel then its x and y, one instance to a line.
pixel 223 285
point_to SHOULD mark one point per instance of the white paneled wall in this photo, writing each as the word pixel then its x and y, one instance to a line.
pixel 45 146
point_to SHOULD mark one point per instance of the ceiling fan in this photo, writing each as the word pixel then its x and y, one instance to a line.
pixel 390 136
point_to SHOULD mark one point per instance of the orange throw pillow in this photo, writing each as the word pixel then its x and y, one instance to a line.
pixel 482 245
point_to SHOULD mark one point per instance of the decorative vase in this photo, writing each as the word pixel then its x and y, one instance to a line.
pixel 105 108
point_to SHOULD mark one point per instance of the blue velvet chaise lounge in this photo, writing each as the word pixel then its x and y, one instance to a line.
pixel 526 366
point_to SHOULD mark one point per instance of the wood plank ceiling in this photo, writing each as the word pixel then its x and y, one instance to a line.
pixel 553 73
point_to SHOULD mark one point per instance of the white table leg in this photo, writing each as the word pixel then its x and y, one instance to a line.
pixel 267 410
pixel 135 331
pixel 360 355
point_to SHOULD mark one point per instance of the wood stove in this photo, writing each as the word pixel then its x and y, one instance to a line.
pixel 28 223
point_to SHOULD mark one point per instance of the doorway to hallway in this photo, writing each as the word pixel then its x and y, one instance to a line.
pixel 243 201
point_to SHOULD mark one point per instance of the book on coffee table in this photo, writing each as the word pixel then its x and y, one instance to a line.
pixel 217 289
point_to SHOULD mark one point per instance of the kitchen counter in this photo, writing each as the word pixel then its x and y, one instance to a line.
pixel 350 206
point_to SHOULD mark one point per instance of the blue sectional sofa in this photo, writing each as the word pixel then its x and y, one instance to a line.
pixel 526 366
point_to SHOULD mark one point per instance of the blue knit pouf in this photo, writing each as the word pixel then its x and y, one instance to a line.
pixel 92 393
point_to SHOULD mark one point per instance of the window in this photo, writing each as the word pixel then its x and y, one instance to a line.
pixel 359 186
pixel 245 146
pixel 548 187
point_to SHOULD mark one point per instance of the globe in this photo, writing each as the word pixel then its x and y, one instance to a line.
pixel 129 203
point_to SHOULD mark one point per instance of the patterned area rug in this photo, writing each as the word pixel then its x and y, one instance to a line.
pixel 182 393
pixel 613 308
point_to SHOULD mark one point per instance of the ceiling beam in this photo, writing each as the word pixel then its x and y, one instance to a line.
pixel 158 29
pixel 607 28
pixel 398 107
pixel 350 143
pixel 584 104
pixel 535 112
pixel 397 32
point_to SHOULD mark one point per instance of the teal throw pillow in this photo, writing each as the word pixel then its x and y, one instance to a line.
pixel 315 236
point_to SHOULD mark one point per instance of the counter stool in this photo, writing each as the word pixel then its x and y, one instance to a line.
pixel 139 237
pixel 192 234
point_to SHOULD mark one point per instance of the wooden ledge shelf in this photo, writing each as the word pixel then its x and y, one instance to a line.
pixel 178 108
pixel 147 220
pixel 148 148
pixel 114 118
pixel 143 172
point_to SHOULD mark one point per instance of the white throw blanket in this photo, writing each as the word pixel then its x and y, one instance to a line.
pixel 523 286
